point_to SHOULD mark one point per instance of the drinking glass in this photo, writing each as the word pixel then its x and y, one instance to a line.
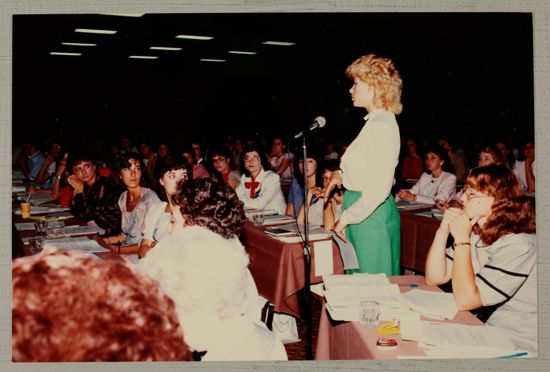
pixel 41 227
pixel 25 210
pixel 36 244
pixel 258 219
pixel 369 314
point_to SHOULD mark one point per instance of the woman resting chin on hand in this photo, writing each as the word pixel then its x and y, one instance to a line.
pixel 498 266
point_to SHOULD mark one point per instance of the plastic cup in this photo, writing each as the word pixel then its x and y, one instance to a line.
pixel 36 244
pixel 25 209
pixel 258 219
pixel 369 314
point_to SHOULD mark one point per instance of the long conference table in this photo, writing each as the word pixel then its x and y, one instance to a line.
pixel 339 340
pixel 417 234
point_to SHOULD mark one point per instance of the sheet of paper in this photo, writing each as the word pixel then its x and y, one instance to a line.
pixel 42 209
pixel 276 219
pixel 430 303
pixel 80 244
pixel 298 239
pixel 349 257
pixel 323 257
pixel 77 230
pixel 404 205
pixel 437 334
pixel 26 226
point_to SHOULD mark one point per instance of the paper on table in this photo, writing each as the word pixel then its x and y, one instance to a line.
pixel 80 244
pixel 437 334
pixel 77 230
pixel 349 257
pixel 323 257
pixel 298 239
pixel 404 205
pixel 18 188
pixel 42 209
pixel 476 351
pixel 25 226
pixel 276 219
pixel 430 303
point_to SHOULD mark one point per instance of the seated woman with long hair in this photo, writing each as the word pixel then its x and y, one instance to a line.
pixel 169 172
pixel 295 198
pixel 498 266
pixel 134 203
pixel 435 183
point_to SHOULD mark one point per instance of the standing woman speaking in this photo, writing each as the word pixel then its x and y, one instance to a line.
pixel 370 220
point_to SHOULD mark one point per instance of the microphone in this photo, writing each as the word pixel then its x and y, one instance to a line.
pixel 319 122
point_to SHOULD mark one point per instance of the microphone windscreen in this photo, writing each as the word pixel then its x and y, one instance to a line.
pixel 321 121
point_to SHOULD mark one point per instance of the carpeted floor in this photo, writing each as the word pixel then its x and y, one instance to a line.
pixel 297 350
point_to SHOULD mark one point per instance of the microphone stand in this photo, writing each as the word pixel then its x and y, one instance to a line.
pixel 307 263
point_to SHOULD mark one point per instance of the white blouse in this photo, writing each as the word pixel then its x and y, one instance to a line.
pixel 427 189
pixel 268 194
pixel 368 164
pixel 133 222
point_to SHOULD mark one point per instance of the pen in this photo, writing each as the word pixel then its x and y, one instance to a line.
pixel 409 285
pixel 514 355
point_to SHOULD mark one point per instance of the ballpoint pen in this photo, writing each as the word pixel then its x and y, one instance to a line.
pixel 517 355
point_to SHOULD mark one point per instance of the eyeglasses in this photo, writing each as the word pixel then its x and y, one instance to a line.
pixel 249 158
pixel 471 193
pixel 82 169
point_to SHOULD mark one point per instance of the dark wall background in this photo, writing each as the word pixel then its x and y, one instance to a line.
pixel 466 74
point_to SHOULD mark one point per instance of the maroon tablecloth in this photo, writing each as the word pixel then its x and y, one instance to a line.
pixel 350 340
pixel 278 268
pixel 417 234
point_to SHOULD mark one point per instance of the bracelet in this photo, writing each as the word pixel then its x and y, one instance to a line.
pixel 57 177
pixel 458 244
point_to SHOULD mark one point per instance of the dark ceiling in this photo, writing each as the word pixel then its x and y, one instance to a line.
pixel 461 72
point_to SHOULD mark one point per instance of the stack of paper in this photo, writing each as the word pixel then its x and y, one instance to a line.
pixel 80 244
pixel 404 205
pixel 450 340
pixel 344 293
pixel 77 230
pixel 277 219
pixel 249 212
pixel 22 226
pixel 430 303
pixel 42 209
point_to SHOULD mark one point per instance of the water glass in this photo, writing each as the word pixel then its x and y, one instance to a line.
pixel 36 244
pixel 369 314
pixel 258 219
pixel 41 227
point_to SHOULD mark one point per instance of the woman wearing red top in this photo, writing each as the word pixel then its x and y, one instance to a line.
pixel 221 162
pixel 412 162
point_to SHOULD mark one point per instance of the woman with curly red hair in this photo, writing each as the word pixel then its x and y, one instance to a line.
pixel 496 264
pixel 70 307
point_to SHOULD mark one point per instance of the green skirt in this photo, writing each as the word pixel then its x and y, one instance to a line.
pixel 376 239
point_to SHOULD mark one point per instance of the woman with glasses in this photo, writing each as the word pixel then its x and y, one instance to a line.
pixel 370 220
pixel 496 267
pixel 94 197
pixel 259 188
pixel 133 203
pixel 169 173
pixel 221 162
pixel 435 183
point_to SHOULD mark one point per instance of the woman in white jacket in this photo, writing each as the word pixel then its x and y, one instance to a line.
pixel 259 188
pixel 435 183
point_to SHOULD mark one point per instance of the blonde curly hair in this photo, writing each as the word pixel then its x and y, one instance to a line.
pixel 381 73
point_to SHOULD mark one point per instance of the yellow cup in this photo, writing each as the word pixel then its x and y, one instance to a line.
pixel 25 210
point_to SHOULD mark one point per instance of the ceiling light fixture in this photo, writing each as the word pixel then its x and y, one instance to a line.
pixel 164 48
pixel 279 43
pixel 65 54
pixel 124 14
pixel 79 44
pixel 94 31
pixel 241 52
pixel 194 37
pixel 143 57
pixel 211 60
